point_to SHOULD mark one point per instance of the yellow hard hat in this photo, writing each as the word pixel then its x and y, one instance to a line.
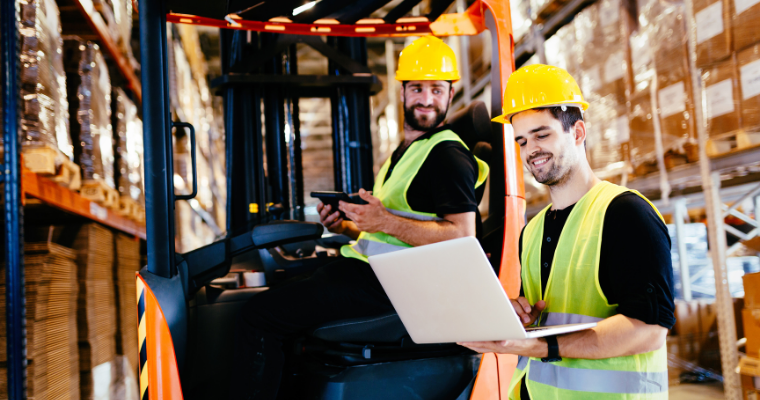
pixel 427 59
pixel 539 86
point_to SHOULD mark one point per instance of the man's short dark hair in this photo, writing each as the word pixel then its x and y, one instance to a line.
pixel 567 118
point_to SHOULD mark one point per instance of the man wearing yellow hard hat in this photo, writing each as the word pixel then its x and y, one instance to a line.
pixel 425 193
pixel 599 253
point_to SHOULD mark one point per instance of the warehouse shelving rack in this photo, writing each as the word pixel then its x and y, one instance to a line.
pixel 24 191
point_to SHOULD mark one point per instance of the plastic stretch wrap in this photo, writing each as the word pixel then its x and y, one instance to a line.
pixel 713 22
pixel 748 63
pixel 45 114
pixel 128 137
pixel 587 37
pixel 641 126
pixel 560 49
pixel 675 98
pixel 601 33
pixel 521 20
pixel 745 15
pixel 90 109
pixel 720 85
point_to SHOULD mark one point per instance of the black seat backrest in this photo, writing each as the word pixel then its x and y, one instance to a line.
pixel 473 125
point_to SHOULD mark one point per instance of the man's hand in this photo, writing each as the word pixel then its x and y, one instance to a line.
pixel 524 347
pixel 331 220
pixel 371 217
pixel 527 314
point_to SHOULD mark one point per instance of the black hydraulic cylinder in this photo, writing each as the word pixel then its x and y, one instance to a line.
pixel 159 186
pixel 13 212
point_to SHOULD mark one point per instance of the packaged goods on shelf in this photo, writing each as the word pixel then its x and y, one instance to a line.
pixel 675 97
pixel 51 322
pixel 722 98
pixel 45 110
pixel 746 30
pixel 607 135
pixel 128 137
pixel 521 20
pixel 90 110
pixel 748 63
pixel 587 37
pixel 713 21
pixel 560 49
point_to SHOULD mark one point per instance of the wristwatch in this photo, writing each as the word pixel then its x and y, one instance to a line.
pixel 553 350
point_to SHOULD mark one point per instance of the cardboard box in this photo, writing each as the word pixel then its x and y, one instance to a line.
pixel 641 127
pixel 751 290
pixel 751 320
pixel 722 97
pixel 713 21
pixel 745 29
pixel 748 65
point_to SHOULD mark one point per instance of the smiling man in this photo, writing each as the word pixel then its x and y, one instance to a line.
pixel 425 193
pixel 598 253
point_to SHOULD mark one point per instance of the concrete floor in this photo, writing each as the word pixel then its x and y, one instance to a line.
pixel 696 391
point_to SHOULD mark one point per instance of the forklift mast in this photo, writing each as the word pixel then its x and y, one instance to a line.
pixel 260 79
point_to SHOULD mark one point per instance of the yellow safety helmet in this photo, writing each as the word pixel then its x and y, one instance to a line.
pixel 427 59
pixel 539 86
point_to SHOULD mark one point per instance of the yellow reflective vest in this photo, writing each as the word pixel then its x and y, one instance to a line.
pixel 573 295
pixel 392 193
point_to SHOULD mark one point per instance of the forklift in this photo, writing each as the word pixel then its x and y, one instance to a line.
pixel 186 321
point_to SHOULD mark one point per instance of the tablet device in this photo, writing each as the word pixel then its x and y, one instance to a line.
pixel 332 199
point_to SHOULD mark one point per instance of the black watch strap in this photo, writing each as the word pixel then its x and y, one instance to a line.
pixel 553 350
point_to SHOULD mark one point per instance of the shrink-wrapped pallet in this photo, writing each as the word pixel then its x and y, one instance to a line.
pixel 641 128
pixel 745 16
pixel 560 49
pixel 588 37
pixel 675 97
pixel 748 63
pixel 713 21
pixel 45 113
pixel 521 20
pixel 90 110
pixel 722 98
pixel 128 137
pixel 607 135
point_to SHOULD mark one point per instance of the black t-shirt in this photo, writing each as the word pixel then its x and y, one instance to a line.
pixel 635 269
pixel 445 183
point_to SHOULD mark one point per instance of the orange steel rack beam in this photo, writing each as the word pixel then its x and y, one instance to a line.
pixel 60 197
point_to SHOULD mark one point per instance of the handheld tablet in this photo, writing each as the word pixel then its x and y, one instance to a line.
pixel 332 199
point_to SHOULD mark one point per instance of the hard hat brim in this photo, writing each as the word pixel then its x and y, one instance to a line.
pixel 506 118
pixel 439 77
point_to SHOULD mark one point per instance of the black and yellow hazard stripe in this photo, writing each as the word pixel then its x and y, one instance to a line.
pixel 143 371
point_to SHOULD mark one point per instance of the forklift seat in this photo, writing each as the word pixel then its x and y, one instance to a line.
pixel 384 328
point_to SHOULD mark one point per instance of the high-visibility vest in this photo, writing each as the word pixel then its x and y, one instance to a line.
pixel 574 295
pixel 392 193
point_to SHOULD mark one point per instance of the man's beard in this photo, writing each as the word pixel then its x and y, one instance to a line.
pixel 555 175
pixel 424 123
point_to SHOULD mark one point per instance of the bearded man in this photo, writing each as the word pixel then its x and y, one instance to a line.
pixel 423 194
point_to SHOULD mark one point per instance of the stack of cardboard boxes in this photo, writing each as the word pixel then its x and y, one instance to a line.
pixel 750 365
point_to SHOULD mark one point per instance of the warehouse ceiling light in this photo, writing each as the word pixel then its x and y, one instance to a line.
pixel 305 7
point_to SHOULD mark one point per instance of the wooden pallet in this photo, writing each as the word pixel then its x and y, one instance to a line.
pixel 41 160
pixel 672 160
pixel 130 209
pixel 99 192
pixel 69 175
pixel 732 142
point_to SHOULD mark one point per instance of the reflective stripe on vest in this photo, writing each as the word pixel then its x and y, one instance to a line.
pixel 573 295
pixel 598 381
pixel 392 193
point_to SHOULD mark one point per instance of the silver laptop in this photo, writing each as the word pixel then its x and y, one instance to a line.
pixel 448 292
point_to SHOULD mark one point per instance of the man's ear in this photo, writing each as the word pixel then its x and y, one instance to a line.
pixel 579 129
